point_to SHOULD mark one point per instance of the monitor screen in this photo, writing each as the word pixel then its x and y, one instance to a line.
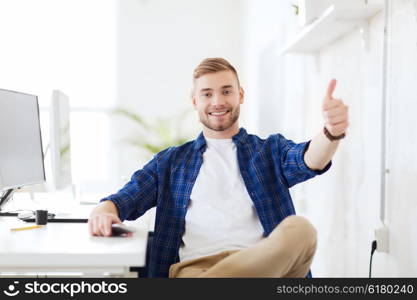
pixel 60 142
pixel 21 154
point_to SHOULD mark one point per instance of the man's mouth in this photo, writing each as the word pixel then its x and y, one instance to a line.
pixel 219 113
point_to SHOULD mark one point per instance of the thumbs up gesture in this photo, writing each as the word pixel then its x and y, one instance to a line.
pixel 335 112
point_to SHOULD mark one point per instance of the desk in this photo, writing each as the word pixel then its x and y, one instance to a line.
pixel 68 248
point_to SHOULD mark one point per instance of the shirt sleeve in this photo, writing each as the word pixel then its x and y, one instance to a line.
pixel 139 194
pixel 293 166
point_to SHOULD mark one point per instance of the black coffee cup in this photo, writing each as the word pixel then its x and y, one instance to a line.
pixel 41 217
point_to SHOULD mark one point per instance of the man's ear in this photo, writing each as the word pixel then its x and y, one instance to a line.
pixel 193 101
pixel 241 95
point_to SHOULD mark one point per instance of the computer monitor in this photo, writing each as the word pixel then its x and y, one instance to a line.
pixel 21 154
pixel 60 140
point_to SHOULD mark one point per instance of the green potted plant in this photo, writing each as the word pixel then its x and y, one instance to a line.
pixel 157 136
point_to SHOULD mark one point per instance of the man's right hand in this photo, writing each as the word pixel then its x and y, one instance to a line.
pixel 101 219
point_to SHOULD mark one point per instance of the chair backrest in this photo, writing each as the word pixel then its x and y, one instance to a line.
pixel 143 272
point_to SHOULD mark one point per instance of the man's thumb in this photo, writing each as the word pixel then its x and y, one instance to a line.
pixel 330 89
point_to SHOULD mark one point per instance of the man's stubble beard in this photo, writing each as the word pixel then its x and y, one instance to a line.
pixel 234 116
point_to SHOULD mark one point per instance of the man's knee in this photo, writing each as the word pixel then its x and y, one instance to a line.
pixel 298 221
pixel 298 228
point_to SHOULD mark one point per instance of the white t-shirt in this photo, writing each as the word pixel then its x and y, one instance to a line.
pixel 221 215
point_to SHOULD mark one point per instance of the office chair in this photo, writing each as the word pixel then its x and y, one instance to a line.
pixel 143 272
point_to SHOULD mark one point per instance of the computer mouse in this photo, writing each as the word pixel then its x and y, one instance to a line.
pixel 119 229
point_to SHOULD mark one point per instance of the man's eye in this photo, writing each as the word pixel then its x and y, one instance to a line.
pixel 227 92
pixel 206 95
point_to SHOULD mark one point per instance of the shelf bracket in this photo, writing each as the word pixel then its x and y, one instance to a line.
pixel 364 31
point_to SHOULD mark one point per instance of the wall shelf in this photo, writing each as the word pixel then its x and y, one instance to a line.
pixel 335 22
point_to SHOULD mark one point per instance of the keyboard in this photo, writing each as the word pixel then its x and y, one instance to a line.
pixel 72 217
pixel 8 214
pixel 60 220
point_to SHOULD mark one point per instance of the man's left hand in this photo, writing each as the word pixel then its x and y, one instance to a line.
pixel 335 112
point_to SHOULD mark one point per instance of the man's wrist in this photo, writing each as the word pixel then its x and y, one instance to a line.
pixel 106 207
pixel 331 137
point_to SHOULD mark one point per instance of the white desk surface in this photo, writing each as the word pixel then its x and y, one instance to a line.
pixel 67 247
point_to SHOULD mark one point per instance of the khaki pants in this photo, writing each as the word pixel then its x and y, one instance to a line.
pixel 287 252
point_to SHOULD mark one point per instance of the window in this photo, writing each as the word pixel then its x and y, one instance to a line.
pixel 68 45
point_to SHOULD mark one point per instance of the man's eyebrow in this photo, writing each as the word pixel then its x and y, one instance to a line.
pixel 223 87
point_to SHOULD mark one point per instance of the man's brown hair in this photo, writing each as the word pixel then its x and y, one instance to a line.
pixel 213 65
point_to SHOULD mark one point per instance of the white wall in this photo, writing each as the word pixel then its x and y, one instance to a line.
pixel 68 45
pixel 402 142
pixel 344 203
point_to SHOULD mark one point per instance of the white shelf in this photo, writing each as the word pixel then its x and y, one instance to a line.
pixel 331 25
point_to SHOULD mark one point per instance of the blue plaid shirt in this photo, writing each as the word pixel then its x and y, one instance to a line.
pixel 269 167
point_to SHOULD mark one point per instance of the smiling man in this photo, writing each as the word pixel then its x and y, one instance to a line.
pixel 223 207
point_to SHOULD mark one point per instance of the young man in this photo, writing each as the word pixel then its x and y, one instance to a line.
pixel 223 202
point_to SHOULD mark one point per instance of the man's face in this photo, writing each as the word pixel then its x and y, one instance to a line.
pixel 217 99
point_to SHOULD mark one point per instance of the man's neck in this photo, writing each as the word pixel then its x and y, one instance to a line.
pixel 224 134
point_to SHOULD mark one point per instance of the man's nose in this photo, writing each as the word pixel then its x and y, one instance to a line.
pixel 218 100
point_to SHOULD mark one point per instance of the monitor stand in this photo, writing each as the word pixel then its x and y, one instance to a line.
pixel 3 200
